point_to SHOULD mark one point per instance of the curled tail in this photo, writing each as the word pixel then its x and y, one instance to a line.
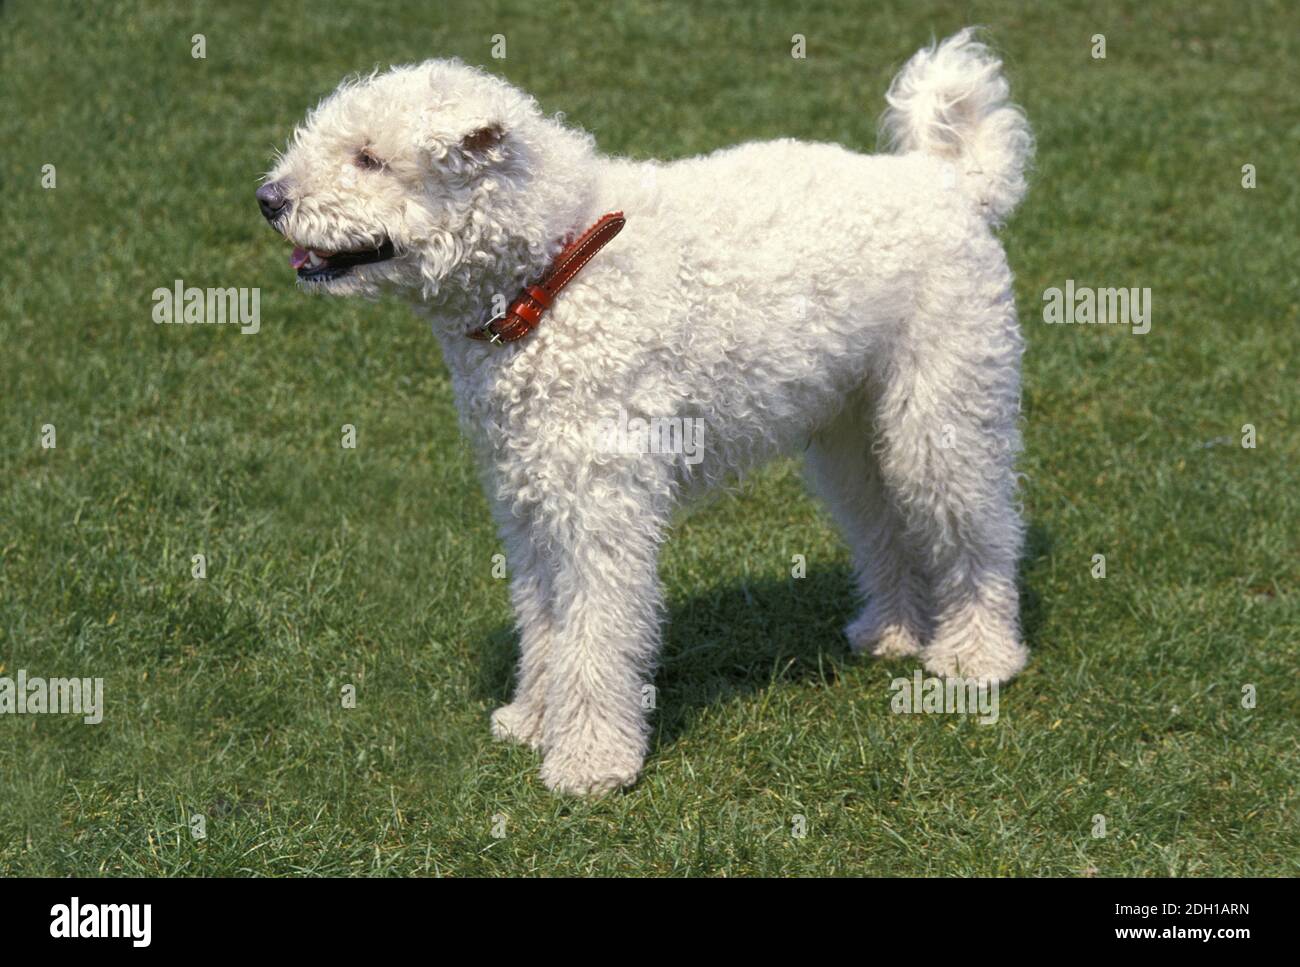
pixel 952 101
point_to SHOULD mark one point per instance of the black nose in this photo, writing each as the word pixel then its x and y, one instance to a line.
pixel 272 200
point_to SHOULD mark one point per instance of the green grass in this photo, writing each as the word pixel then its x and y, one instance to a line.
pixel 373 566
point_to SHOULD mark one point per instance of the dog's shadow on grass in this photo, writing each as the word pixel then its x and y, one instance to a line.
pixel 744 638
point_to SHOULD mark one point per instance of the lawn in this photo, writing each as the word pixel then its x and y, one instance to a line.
pixel 373 567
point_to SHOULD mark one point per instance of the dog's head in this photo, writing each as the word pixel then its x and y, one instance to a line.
pixel 421 178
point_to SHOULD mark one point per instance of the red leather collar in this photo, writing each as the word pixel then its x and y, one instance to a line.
pixel 524 314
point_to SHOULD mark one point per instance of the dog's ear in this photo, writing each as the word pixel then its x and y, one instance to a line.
pixel 483 141
pixel 479 147
pixel 464 143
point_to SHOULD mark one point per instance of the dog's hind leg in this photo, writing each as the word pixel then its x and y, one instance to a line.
pixel 531 595
pixel 948 439
pixel 843 472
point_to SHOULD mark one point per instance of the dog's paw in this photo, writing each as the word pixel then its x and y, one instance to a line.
pixel 518 722
pixel 868 635
pixel 589 771
pixel 984 659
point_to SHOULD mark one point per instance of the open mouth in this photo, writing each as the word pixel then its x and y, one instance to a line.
pixel 317 266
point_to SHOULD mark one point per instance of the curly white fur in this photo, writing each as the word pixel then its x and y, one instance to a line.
pixel 951 101
pixel 793 296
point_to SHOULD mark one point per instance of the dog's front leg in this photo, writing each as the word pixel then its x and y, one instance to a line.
pixel 531 594
pixel 607 601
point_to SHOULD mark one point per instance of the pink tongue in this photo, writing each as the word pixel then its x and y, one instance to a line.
pixel 299 257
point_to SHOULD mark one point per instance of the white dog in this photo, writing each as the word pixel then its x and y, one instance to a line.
pixel 793 297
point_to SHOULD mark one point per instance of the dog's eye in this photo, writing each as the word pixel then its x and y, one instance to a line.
pixel 366 159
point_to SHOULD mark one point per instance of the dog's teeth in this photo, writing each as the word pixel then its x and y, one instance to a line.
pixel 313 260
